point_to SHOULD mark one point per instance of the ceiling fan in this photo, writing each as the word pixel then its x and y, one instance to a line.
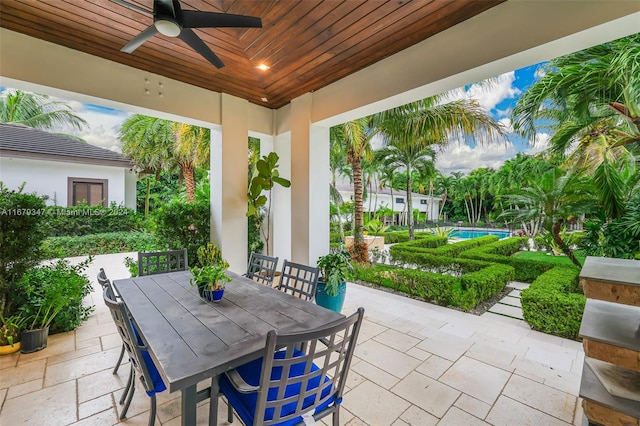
pixel 170 20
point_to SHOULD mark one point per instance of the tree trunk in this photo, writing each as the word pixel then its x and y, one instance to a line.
pixel 393 210
pixel 409 205
pixel 358 213
pixel 190 182
pixel 565 248
pixel 146 198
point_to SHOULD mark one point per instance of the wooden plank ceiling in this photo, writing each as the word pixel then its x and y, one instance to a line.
pixel 307 44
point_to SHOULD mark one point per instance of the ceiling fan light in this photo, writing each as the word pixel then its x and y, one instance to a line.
pixel 167 27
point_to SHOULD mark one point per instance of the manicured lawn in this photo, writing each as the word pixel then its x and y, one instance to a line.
pixel 539 255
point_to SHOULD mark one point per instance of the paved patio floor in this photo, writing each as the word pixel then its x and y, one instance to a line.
pixel 415 364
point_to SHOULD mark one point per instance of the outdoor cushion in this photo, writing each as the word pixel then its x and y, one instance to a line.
pixel 154 374
pixel 245 403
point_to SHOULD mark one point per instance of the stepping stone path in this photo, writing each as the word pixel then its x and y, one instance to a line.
pixel 510 306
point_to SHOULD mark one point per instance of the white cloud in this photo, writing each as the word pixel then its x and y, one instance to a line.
pixel 490 93
pixel 102 128
pixel 460 157
pixel 540 143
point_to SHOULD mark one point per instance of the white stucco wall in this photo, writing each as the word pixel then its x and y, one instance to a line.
pixel 384 200
pixel 50 178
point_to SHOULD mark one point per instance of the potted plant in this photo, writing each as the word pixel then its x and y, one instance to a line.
pixel 332 285
pixel 10 327
pixel 210 276
pixel 210 280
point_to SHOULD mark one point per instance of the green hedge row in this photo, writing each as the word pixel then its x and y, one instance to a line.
pixel 465 292
pixel 84 220
pixel 454 250
pixel 111 242
pixel 501 252
pixel 403 236
pixel 554 302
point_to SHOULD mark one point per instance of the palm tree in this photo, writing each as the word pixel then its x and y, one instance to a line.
pixel 338 166
pixel 38 111
pixel 590 99
pixel 149 142
pixel 410 155
pixel 443 185
pixel 191 150
pixel 386 181
pixel 356 135
pixel 433 122
pixel 552 199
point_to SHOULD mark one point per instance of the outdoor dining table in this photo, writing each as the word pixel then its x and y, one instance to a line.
pixel 191 340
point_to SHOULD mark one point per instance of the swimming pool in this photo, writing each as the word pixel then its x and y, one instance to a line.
pixel 475 233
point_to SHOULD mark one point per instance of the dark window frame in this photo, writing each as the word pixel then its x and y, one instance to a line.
pixel 71 190
pixel 399 200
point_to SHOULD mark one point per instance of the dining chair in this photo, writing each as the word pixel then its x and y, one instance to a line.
pixel 299 280
pixel 299 376
pixel 262 268
pixel 104 283
pixel 141 361
pixel 161 262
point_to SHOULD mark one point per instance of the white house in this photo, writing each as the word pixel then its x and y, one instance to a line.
pixel 67 170
pixel 396 201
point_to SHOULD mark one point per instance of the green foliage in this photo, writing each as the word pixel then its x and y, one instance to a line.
pixel 255 243
pixel 267 176
pixel 403 236
pixel 375 226
pixel 454 250
pixel 554 303
pixel 209 277
pixel 10 327
pixel 334 268
pixel 112 242
pixel 132 266
pixel 487 282
pixel 84 220
pixel 502 251
pixel 21 233
pixel 211 255
pixel 52 295
pixel 183 225
pixel 545 257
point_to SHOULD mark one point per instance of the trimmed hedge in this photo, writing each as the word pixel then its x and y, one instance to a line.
pixel 403 236
pixel 502 251
pixel 111 242
pixel 554 302
pixel 85 220
pixel 454 250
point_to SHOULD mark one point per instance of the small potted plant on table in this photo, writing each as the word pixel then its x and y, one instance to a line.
pixel 332 285
pixel 210 277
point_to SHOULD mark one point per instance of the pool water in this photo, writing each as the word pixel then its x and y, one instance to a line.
pixel 468 234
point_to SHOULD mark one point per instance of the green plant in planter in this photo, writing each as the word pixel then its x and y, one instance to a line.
pixel 334 268
pixel 211 255
pixel 10 327
pixel 54 292
pixel 209 277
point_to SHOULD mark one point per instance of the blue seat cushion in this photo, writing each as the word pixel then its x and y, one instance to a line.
pixel 156 379
pixel 245 403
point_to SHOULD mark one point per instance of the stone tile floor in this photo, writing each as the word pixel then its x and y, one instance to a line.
pixel 415 364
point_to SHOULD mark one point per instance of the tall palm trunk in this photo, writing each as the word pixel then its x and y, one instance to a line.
pixel 340 225
pixel 190 182
pixel 146 198
pixel 358 214
pixel 409 205
pixel 565 248
pixel 393 210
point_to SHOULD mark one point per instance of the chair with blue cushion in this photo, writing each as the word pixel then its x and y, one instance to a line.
pixel 141 361
pixel 298 376
pixel 299 280
pixel 162 262
pixel 104 283
pixel 262 268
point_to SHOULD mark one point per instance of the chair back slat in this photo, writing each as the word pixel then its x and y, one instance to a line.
pixel 262 268
pixel 102 278
pixel 132 342
pixel 299 280
pixel 161 262
pixel 318 371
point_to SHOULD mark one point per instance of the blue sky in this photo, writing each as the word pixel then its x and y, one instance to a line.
pixel 498 99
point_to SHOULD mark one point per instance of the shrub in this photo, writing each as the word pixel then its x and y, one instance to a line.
pixel 113 242
pixel 403 236
pixel 182 225
pixel 454 250
pixel 554 303
pixel 54 293
pixel 83 220
pixel 21 233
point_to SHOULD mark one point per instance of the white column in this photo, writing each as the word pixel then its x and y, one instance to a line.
pixel 281 208
pixel 229 182
pixel 309 184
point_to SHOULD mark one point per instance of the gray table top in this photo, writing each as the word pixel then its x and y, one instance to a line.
pixel 191 339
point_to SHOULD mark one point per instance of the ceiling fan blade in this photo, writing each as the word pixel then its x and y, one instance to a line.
pixel 189 37
pixel 132 6
pixel 165 7
pixel 139 39
pixel 196 19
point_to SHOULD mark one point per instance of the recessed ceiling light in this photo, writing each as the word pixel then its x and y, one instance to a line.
pixel 263 67
pixel 264 99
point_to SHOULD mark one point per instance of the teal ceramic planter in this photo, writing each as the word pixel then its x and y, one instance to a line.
pixel 331 302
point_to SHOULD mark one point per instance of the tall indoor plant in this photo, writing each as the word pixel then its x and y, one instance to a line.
pixel 332 286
